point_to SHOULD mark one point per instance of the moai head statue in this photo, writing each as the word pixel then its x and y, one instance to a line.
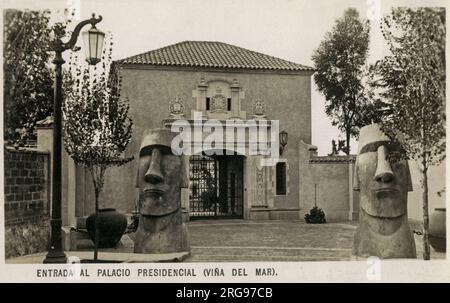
pixel 161 174
pixel 383 184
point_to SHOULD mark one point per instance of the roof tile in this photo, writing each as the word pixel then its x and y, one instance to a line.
pixel 212 54
pixel 336 158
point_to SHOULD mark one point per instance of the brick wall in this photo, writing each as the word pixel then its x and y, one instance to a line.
pixel 26 186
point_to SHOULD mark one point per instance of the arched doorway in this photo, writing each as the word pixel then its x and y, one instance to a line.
pixel 216 186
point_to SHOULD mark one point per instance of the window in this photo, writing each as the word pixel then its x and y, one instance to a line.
pixel 208 103
pixel 281 178
pixel 228 104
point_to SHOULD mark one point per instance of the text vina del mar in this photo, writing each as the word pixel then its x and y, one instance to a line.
pixel 75 271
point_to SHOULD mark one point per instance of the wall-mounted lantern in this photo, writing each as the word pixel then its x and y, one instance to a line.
pixel 283 141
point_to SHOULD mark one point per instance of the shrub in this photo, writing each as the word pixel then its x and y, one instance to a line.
pixel 315 216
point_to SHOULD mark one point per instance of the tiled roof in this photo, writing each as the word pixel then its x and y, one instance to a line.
pixel 212 55
pixel 328 159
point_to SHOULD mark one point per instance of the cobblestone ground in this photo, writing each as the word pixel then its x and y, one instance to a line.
pixel 247 241
pixel 240 241
pixel 244 241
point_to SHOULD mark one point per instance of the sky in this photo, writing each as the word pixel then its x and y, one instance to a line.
pixel 288 29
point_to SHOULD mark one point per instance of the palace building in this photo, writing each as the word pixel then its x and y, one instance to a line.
pixel 209 85
pixel 246 121
pixel 222 83
pixel 263 167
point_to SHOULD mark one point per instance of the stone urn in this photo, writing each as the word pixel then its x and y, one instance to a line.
pixel 437 230
pixel 111 227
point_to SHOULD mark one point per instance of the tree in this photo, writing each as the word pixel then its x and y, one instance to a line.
pixel 412 83
pixel 97 127
pixel 339 62
pixel 28 93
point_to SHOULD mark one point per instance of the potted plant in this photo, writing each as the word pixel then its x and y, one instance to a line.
pixel 438 238
pixel 315 216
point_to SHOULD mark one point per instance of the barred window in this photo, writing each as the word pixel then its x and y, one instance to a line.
pixel 281 178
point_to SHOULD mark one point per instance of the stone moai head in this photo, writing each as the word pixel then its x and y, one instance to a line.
pixel 161 174
pixel 383 184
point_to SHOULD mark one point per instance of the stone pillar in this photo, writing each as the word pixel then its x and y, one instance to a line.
pixel 354 195
pixel 45 137
pixel 257 189
pixel 235 100
pixel 44 129
pixel 307 177
pixel 201 98
pixel 248 196
pixel 185 194
pixel 259 183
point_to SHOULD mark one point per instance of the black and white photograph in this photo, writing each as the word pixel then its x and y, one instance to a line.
pixel 289 140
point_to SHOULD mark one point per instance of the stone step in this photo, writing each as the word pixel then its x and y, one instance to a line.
pixel 79 237
pixel 222 258
pixel 81 221
pixel 84 244
pixel 81 234
pixel 125 244
pixel 243 254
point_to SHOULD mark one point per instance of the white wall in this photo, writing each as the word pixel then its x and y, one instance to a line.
pixel 436 182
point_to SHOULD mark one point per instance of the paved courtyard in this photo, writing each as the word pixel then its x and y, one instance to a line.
pixel 238 240
pixel 244 241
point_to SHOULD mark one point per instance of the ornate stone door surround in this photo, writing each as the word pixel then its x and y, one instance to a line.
pixel 217 92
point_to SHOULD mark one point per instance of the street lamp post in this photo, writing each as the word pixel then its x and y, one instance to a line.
pixel 94 42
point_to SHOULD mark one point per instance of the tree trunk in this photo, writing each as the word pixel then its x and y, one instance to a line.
pixel 426 219
pixel 97 179
pixel 347 142
pixel 97 234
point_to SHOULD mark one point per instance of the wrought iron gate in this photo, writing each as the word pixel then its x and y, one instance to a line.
pixel 216 186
